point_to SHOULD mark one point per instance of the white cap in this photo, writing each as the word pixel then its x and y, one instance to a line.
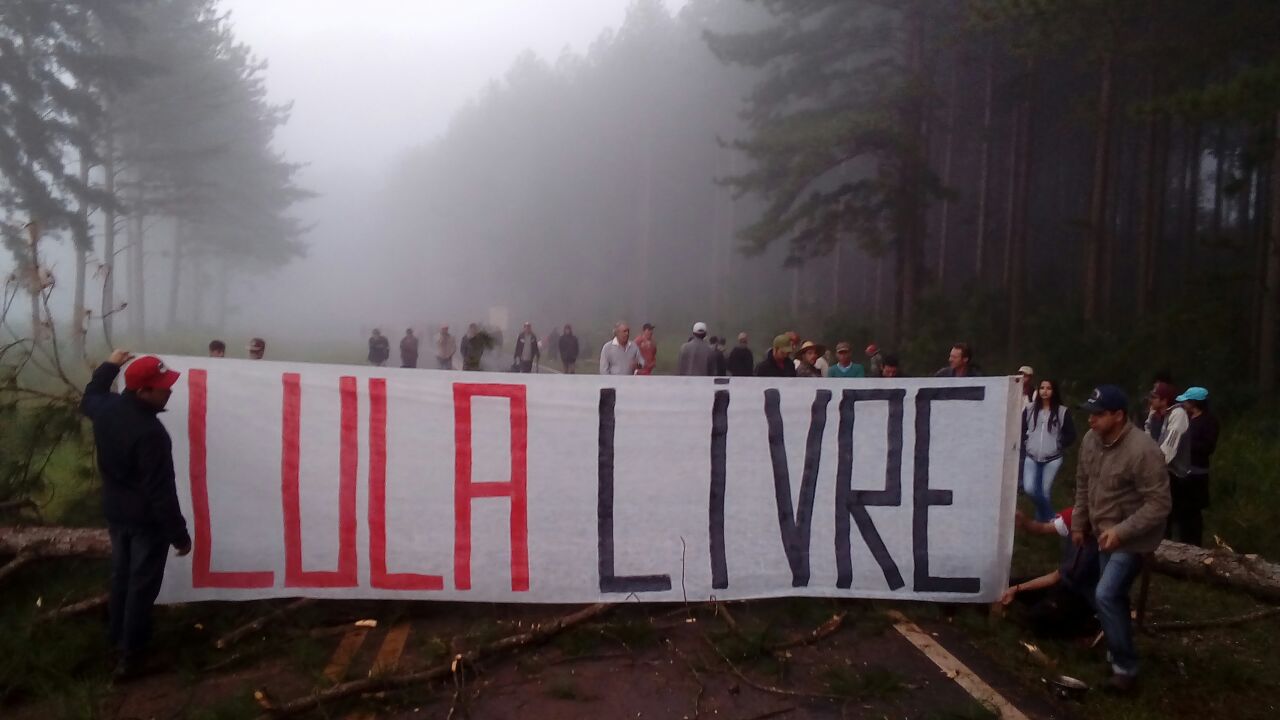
pixel 700 328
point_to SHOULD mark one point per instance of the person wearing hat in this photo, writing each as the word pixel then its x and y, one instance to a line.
pixel 139 497
pixel 845 367
pixel 648 348
pixel 1028 377
pixel 1122 498
pixel 696 356
pixel 1059 603
pixel 257 348
pixel 1191 494
pixel 777 362
pixel 807 360
pixel 875 361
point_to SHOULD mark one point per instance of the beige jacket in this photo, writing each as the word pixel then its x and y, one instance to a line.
pixel 1124 486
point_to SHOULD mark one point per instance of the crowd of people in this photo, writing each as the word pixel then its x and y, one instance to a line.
pixel 1135 486
pixel 1136 483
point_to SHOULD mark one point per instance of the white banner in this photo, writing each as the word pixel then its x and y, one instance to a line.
pixel 327 481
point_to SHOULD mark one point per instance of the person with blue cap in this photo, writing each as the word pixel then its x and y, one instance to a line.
pixel 1191 494
pixel 1122 499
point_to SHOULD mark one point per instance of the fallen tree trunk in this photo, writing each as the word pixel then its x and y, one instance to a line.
pixel 46 542
pixel 539 634
pixel 252 627
pixel 73 609
pixel 1247 573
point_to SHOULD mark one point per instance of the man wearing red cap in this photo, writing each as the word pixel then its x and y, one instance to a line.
pixel 1059 603
pixel 139 498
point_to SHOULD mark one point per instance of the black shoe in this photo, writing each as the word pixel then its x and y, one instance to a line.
pixel 1121 684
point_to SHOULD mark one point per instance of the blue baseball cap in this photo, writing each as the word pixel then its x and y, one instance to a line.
pixel 1106 398
pixel 1198 394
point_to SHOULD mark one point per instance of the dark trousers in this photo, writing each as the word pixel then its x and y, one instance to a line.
pixel 1057 612
pixel 137 568
pixel 1190 496
pixel 524 366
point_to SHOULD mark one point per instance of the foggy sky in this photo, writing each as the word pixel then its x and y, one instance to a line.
pixel 369 80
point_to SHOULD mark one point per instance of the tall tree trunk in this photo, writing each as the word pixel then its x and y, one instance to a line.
pixel 137 286
pixel 948 160
pixel 984 172
pixel 1011 197
pixel 83 244
pixel 795 293
pixel 644 239
pixel 1219 181
pixel 1096 244
pixel 1021 222
pixel 35 282
pixel 913 160
pixel 1191 231
pixel 1154 163
pixel 1271 288
pixel 224 292
pixel 108 239
pixel 175 276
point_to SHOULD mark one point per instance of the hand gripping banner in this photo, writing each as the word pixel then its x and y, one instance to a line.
pixel 328 481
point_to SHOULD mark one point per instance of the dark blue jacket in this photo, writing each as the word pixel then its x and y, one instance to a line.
pixel 135 457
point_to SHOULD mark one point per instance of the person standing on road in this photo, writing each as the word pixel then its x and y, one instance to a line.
pixel 695 356
pixel 719 362
pixel 473 348
pixel 217 349
pixel 777 362
pixel 875 361
pixel 569 350
pixel 1202 439
pixel 527 353
pixel 409 350
pixel 446 347
pixel 959 363
pixel 890 367
pixel 741 360
pixel 620 356
pixel 807 363
pixel 845 367
pixel 1122 498
pixel 1047 432
pixel 139 496
pixel 648 348
pixel 379 348
pixel 1175 446
pixel 257 349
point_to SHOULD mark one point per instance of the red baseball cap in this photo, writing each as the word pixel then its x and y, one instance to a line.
pixel 149 371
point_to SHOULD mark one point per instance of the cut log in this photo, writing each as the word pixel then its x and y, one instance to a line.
pixel 1246 573
pixel 46 542
pixel 539 634
pixel 249 628
pixel 73 609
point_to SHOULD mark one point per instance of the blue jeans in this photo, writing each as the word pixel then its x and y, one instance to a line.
pixel 1111 600
pixel 1037 483
pixel 138 558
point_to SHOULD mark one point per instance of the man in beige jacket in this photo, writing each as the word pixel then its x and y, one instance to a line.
pixel 1122 498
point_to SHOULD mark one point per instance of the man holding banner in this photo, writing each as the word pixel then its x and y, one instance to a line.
pixel 140 500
